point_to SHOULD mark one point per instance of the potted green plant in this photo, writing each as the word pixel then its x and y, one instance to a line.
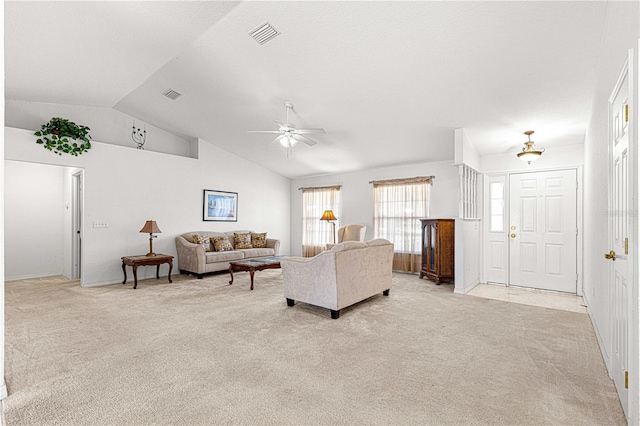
pixel 61 135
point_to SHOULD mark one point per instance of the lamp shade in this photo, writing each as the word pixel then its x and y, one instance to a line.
pixel 150 227
pixel 529 154
pixel 328 215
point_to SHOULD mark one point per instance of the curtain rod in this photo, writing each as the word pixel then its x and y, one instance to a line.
pixel 427 179
pixel 304 188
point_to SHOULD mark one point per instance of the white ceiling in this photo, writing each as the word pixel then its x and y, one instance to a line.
pixel 388 81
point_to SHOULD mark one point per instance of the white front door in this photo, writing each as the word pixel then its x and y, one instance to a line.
pixel 619 233
pixel 543 230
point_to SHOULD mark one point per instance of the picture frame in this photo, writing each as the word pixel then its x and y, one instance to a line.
pixel 219 206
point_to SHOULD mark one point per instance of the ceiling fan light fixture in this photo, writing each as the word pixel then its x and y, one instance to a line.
pixel 529 152
pixel 289 135
pixel 288 141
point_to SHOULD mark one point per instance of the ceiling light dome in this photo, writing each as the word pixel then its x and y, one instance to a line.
pixel 529 152
pixel 287 140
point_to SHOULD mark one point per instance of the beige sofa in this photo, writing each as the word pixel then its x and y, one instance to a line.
pixel 193 259
pixel 339 277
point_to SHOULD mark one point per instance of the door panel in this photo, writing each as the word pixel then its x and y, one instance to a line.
pixel 619 272
pixel 543 223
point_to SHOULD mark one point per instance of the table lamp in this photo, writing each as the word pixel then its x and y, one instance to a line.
pixel 329 217
pixel 151 228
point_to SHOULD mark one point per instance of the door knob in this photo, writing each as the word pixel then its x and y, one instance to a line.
pixel 611 255
pixel 513 235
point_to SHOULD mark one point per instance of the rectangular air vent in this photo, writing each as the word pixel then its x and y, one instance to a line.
pixel 263 33
pixel 172 94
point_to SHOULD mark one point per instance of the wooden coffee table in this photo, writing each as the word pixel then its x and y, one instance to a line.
pixel 143 260
pixel 253 265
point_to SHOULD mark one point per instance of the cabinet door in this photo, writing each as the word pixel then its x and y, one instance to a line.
pixel 425 244
pixel 433 234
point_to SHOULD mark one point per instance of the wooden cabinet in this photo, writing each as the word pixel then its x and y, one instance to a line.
pixel 438 239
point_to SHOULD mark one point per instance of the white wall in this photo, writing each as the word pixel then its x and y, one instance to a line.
pixel 357 194
pixel 107 125
pixel 3 386
pixel 467 255
pixel 34 220
pixel 465 150
pixel 622 30
pixel 125 187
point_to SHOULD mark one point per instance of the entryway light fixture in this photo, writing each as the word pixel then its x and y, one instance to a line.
pixel 529 152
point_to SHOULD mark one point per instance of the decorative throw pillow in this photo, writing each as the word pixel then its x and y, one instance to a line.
pixel 222 244
pixel 243 241
pixel 259 240
pixel 204 241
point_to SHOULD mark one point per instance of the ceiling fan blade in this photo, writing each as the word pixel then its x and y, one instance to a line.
pixel 276 140
pixel 264 131
pixel 310 131
pixel 306 140
pixel 285 126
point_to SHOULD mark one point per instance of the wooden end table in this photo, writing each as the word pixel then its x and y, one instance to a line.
pixel 253 265
pixel 143 260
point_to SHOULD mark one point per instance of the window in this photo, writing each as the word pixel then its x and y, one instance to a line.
pixel 496 199
pixel 317 234
pixel 399 205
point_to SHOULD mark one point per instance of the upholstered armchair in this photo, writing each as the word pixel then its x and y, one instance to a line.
pixel 350 233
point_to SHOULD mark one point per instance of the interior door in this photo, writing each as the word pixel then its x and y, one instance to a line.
pixel 76 245
pixel 543 230
pixel 618 234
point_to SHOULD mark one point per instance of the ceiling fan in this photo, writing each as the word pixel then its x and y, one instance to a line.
pixel 288 134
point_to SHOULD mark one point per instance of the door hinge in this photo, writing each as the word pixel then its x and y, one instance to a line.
pixel 626 113
pixel 626 246
pixel 626 380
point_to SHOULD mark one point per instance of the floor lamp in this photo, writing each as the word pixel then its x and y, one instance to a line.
pixel 330 217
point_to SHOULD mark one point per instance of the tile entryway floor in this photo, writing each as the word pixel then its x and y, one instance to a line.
pixel 529 296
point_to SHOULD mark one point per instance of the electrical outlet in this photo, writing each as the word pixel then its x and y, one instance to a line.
pixel 100 224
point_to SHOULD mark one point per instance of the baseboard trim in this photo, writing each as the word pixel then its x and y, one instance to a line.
pixel 466 289
pixel 603 349
pixel 3 390
pixel 32 276
pixel 149 275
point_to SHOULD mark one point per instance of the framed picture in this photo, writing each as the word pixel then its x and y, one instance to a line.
pixel 220 206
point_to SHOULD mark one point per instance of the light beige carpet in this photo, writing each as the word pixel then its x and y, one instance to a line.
pixel 203 352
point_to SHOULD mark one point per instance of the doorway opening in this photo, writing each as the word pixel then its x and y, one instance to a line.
pixel 43 211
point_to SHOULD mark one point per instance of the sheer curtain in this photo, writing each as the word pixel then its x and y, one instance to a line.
pixel 398 205
pixel 316 234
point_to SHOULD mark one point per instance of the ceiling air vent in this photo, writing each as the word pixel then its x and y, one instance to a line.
pixel 172 94
pixel 263 33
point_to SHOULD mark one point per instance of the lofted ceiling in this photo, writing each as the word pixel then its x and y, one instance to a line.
pixel 388 81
